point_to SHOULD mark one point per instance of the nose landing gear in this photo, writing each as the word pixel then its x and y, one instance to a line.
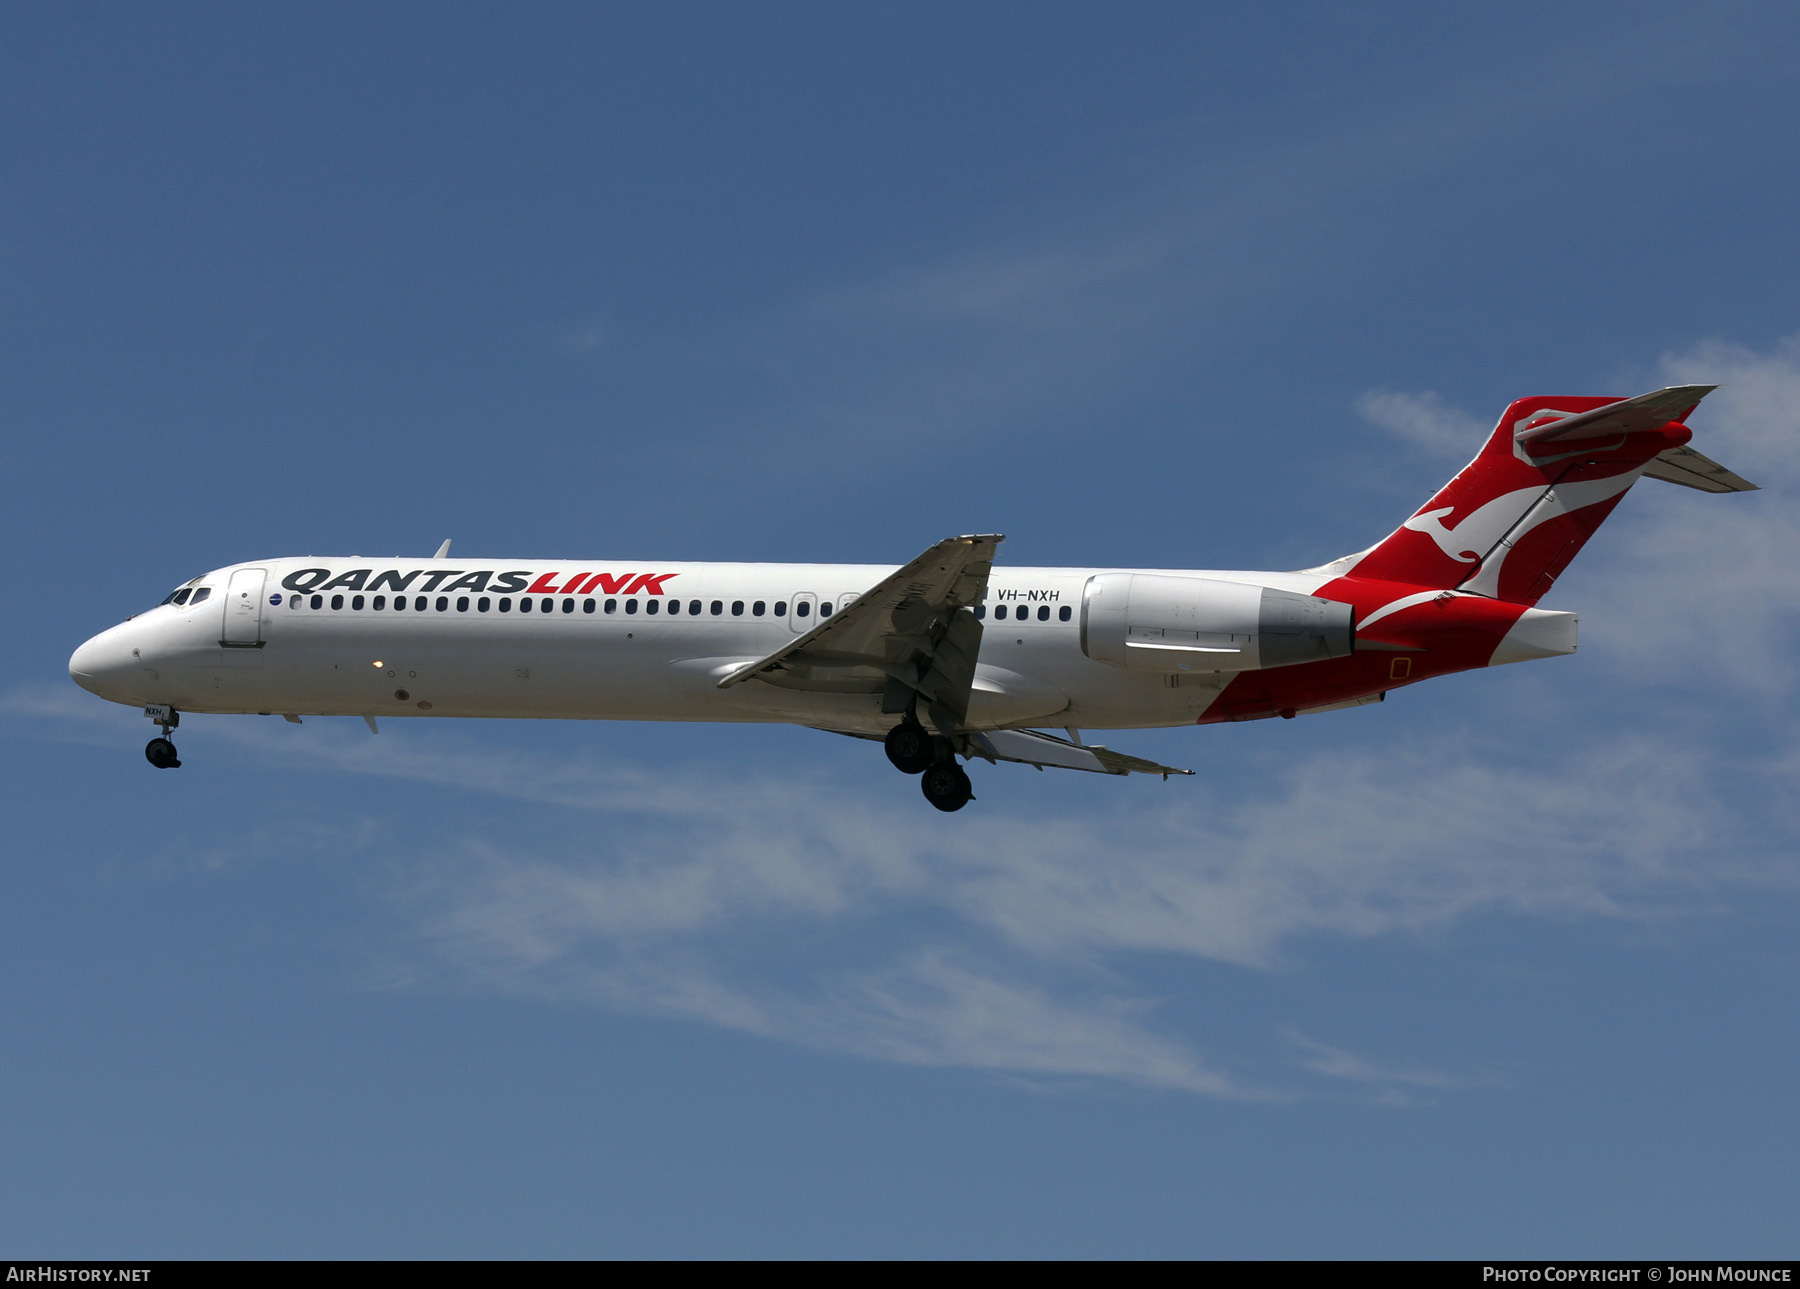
pixel 159 751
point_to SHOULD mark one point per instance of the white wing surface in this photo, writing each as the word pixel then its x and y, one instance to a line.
pixel 1645 412
pixel 1690 469
pixel 911 638
pixel 1029 747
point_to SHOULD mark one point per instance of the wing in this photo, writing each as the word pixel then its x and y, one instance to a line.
pixel 1029 747
pixel 1690 469
pixel 911 637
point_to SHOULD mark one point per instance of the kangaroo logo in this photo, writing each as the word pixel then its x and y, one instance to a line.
pixel 1479 530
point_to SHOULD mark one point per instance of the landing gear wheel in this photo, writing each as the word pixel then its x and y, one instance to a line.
pixel 161 753
pixel 909 748
pixel 947 787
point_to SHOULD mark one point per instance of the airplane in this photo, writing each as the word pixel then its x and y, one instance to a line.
pixel 945 657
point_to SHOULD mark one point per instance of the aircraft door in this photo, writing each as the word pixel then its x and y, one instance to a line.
pixel 243 606
pixel 802 608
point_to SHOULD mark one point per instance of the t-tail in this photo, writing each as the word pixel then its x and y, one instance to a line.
pixel 1509 523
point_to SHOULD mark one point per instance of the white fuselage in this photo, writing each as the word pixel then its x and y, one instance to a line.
pixel 476 651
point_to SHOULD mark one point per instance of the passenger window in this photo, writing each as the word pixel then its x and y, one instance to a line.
pixel 781 608
pixel 318 601
pixel 999 613
pixel 337 601
pixel 980 612
pixel 1062 614
pixel 631 605
pixel 481 605
pixel 443 603
pixel 569 605
pixel 419 604
pixel 824 608
pixel 379 602
pixel 756 610
pixel 1043 613
pixel 693 608
pixel 650 606
pixel 737 608
pixel 674 606
pixel 611 605
pixel 294 601
pixel 548 604
pixel 802 609
pixel 587 606
pixel 199 595
pixel 356 602
pixel 462 604
pixel 524 604
pixel 506 604
pixel 718 607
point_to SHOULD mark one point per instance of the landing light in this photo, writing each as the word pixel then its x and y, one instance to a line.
pixel 379 663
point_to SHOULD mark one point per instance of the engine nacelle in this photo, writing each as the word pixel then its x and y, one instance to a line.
pixel 1169 624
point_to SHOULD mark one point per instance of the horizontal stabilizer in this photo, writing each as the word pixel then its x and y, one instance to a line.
pixel 1688 468
pixel 1028 747
pixel 1627 416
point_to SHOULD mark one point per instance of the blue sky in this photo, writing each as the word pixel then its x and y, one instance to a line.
pixel 1505 966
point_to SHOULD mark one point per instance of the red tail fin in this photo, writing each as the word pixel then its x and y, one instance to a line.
pixel 1509 523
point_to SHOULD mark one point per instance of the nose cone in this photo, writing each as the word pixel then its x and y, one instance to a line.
pixel 108 666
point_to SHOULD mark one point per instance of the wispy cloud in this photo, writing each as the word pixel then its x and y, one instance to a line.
pixel 585 337
pixel 1755 414
pixel 1139 262
pixel 993 942
pixel 1709 585
pixel 1425 421
pixel 1388 1084
pixel 1679 583
pixel 799 908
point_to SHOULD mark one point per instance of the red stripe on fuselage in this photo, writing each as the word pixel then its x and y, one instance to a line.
pixel 1442 634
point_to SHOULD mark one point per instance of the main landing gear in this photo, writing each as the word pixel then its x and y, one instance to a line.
pixel 946 785
pixel 915 750
pixel 910 747
pixel 159 751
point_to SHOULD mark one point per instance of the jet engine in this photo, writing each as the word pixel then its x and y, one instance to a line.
pixel 1173 624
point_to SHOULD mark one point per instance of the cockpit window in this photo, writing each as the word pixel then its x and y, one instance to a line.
pixel 186 594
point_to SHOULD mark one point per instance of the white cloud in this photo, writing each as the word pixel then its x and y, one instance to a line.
pixel 933 1006
pixel 1682 587
pixel 1139 263
pixel 586 337
pixel 697 913
pixel 1754 415
pixel 1425 421
pixel 997 942
pixel 1702 588
pixel 1391 1085
pixel 987 941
